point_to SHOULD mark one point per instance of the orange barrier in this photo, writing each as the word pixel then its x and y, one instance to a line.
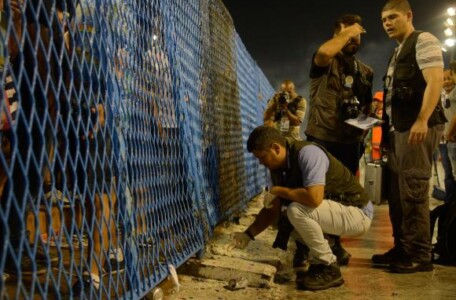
pixel 376 140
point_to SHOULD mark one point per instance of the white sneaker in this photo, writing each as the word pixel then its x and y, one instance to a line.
pixel 56 196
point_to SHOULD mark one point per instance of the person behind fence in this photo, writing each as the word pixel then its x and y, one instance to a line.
pixel 340 88
pixel 447 149
pixel 9 104
pixel 414 121
pixel 286 111
pixel 91 138
pixel 29 134
pixel 318 194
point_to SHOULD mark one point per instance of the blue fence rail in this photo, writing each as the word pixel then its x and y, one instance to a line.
pixel 123 131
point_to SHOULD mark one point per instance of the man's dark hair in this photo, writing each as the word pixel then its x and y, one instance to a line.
pixel 347 20
pixel 453 66
pixel 400 5
pixel 262 137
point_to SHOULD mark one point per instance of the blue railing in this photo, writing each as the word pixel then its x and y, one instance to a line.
pixel 123 131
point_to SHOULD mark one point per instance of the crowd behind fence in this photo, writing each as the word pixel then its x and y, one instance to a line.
pixel 123 130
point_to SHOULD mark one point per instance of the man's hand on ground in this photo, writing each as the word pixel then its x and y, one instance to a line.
pixel 240 240
pixel 268 199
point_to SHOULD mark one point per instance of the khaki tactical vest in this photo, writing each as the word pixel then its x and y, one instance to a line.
pixel 341 185
pixel 326 100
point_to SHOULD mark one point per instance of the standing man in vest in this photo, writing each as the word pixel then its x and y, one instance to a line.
pixel 414 122
pixel 320 196
pixel 340 88
pixel 286 111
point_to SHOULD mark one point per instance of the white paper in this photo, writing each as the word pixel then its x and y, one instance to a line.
pixel 363 122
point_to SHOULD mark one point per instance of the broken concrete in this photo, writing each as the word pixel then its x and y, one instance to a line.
pixel 226 268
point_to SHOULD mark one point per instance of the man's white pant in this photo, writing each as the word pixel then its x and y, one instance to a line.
pixel 329 217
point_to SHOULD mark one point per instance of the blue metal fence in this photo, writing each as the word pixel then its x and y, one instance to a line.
pixel 123 130
pixel 252 107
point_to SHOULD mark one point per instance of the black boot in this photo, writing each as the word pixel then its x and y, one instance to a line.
pixel 342 255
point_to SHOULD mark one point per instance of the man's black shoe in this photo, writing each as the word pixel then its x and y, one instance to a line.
pixel 336 247
pixel 26 268
pixel 409 266
pixel 113 266
pixel 85 288
pixel 42 256
pixel 320 277
pixel 342 255
pixel 301 255
pixel 390 257
pixel 300 276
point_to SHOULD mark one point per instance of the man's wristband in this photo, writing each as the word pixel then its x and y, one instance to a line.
pixel 249 234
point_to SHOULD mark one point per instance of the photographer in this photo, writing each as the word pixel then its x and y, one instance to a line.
pixel 286 110
pixel 340 88
pixel 319 196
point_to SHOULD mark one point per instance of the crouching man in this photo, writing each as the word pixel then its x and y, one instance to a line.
pixel 318 194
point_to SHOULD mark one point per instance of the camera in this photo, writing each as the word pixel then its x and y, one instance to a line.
pixel 447 103
pixel 284 97
pixel 350 108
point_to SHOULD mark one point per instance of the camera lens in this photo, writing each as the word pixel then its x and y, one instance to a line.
pixel 283 97
pixel 350 108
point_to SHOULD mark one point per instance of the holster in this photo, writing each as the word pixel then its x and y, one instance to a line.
pixel 283 233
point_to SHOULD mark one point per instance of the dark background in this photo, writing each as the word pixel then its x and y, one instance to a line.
pixel 282 35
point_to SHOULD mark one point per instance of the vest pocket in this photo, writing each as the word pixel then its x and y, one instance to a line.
pixel 404 71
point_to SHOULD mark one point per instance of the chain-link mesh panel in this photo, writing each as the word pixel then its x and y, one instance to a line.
pixel 121 141
pixel 165 229
pixel 187 23
pixel 227 116
pixel 265 89
pixel 253 105
pixel 208 107
pixel 265 92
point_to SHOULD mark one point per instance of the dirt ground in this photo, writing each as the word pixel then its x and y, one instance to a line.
pixel 362 280
pixel 259 250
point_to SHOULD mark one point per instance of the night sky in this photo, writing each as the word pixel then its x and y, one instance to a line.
pixel 282 35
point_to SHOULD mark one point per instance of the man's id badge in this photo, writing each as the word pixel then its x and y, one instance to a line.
pixel 284 125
